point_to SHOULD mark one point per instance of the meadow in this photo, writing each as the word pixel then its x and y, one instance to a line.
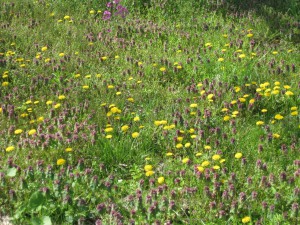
pixel 150 112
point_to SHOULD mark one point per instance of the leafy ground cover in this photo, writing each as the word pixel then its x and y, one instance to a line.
pixel 149 112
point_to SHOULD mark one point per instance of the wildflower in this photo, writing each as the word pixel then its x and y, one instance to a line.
pixel 92 11
pixel 252 101
pixel 162 69
pixel 278 117
pixel 210 96
pixel 264 110
pixel 238 155
pixel 200 168
pixel 274 52
pixel 136 119
pixel 216 167
pixel 148 168
pixel 149 173
pixel 276 135
pixel 185 160
pixel 294 113
pixel 69 149
pixel 220 59
pixel 85 87
pixel 109 129
pixel 198 154
pixel 18 131
pixel 260 123
pixel 286 87
pixel 193 105
pixel 32 132
pixel 205 163
pixel 169 154
pixel 61 97
pixel 109 136
pixel 246 219
pixel 44 48
pixel 5 83
pixel 207 147
pixel 187 145
pixel 241 56
pixel 294 108
pixel 289 93
pixel 216 157
pixel 124 128
pixel 10 148
pixel 135 134
pixel 179 145
pixel 56 106
pixel 161 180
pixel 226 118
pixel 249 35
pixel 61 54
pixel 237 89
pixel 67 17
pixel 61 162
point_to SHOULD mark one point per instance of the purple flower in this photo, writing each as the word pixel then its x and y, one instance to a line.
pixel 106 15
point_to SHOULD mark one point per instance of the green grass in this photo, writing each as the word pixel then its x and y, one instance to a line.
pixel 190 80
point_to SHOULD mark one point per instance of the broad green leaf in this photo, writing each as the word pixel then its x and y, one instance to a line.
pixel 11 172
pixel 36 199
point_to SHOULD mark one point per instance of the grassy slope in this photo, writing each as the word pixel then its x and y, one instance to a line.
pixel 164 36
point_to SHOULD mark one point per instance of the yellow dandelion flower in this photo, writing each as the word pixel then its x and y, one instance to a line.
pixel 61 97
pixel 241 56
pixel 149 173
pixel 185 160
pixel 252 101
pixel 56 106
pixel 205 163
pixel 249 35
pixel 136 119
pixel 32 132
pixel 135 134
pixel 294 108
pixel 276 135
pixel 238 155
pixel 294 113
pixel 260 123
pixel 221 59
pixel 193 105
pixel 109 136
pixel 216 167
pixel 226 118
pixel 124 128
pixel 148 168
pixel 187 145
pixel 61 54
pixel 10 148
pixel 207 147
pixel 264 110
pixel 286 87
pixel 200 168
pixel 161 180
pixel 246 219
pixel 18 131
pixel 68 149
pixel 169 154
pixel 278 117
pixel 289 93
pixel 5 83
pixel 198 154
pixel 109 129
pixel 60 162
pixel 179 145
pixel 85 87
pixel 216 157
